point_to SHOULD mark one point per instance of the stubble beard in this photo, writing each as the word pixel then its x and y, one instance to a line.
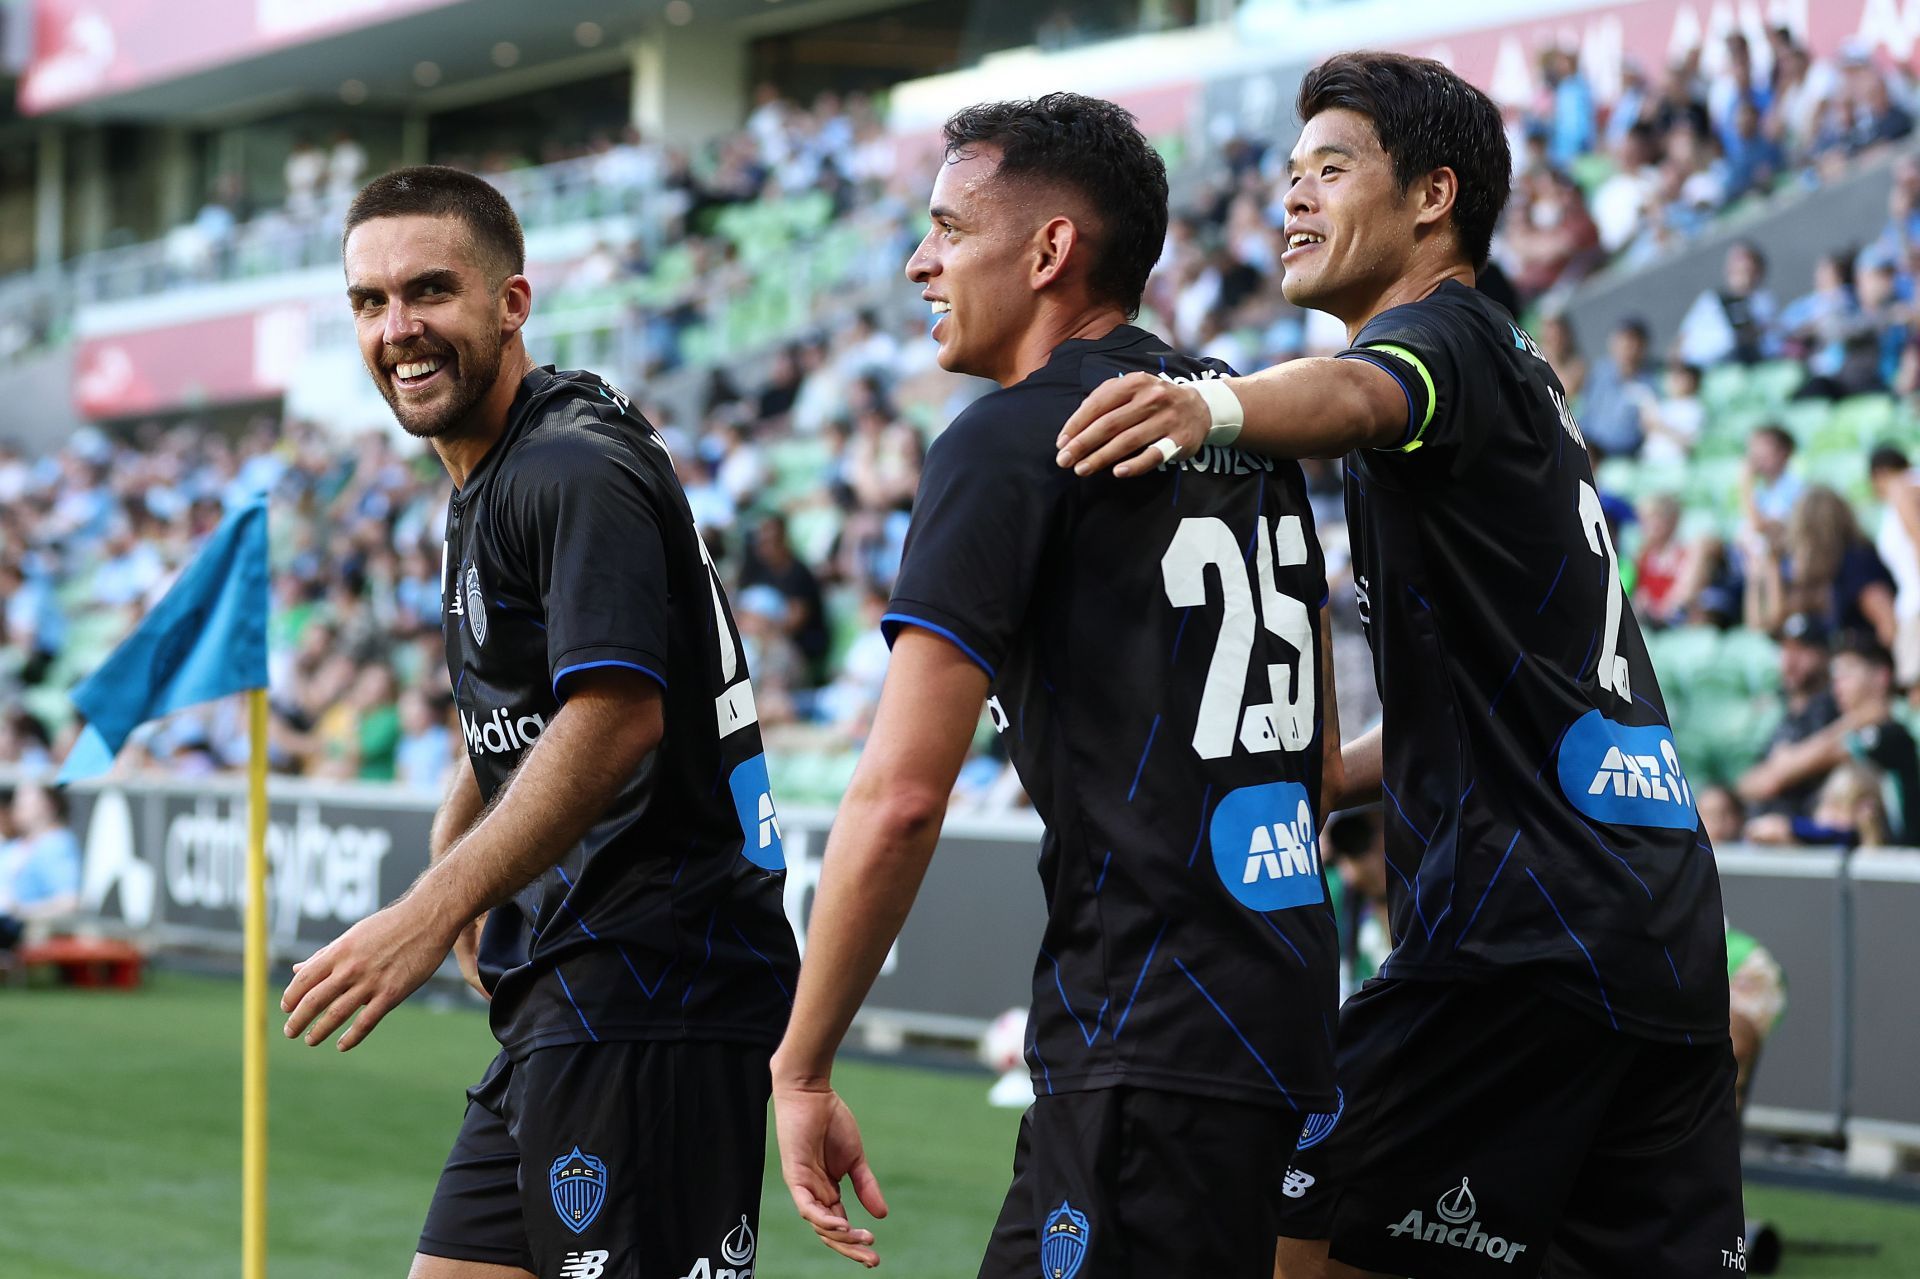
pixel 474 375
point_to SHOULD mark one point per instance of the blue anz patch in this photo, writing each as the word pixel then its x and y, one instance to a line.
pixel 753 801
pixel 1266 846
pixel 579 1186
pixel 1625 776
pixel 1063 1242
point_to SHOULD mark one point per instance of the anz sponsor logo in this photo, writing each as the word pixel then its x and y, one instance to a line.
pixel 759 823
pixel 1625 776
pixel 736 1256
pixel 1266 848
pixel 501 732
pixel 1454 1225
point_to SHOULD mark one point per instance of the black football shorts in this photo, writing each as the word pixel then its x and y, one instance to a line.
pixel 1135 1182
pixel 1490 1130
pixel 617 1160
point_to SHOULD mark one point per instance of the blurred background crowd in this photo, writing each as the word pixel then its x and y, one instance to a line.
pixel 1755 468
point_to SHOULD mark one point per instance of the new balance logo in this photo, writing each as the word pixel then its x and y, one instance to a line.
pixel 1642 777
pixel 1282 850
pixel 502 732
pixel 1297 1184
pixel 584 1265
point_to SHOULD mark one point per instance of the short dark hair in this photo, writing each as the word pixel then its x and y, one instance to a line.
pixel 1095 149
pixel 1886 457
pixel 1426 118
pixel 1635 325
pixel 1862 644
pixel 1780 436
pixel 437 191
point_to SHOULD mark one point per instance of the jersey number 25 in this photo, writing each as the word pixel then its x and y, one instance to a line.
pixel 1285 721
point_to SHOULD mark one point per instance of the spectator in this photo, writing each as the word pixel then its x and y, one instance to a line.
pixel 1753 160
pixel 1618 389
pixel 41 864
pixel 425 750
pixel 1768 489
pixel 1558 344
pixel 1620 203
pixel 1672 423
pixel 1805 654
pixel 346 167
pixel 1730 323
pixel 1736 87
pixel 35 624
pixel 1898 543
pixel 1571 132
pixel 771 562
pixel 1866 731
pixel 1824 565
pixel 1721 815
pixel 1819 327
pixel 305 174
pixel 1876 118
pixel 1662 561
pixel 1551 240
pixel 1849 810
pixel 1757 991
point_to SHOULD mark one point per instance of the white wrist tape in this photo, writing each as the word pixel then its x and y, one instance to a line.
pixel 1224 407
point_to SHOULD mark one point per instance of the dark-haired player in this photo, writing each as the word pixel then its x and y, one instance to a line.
pixel 1164 711
pixel 612 824
pixel 1542 1072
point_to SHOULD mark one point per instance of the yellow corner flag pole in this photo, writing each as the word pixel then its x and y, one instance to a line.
pixel 253 1141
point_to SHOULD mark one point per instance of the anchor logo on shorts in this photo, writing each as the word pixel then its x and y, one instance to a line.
pixel 579 1185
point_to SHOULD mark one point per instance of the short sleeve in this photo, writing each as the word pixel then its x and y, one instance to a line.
pixel 594 547
pixel 1439 356
pixel 987 499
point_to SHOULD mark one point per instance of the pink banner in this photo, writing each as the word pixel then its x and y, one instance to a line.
pixel 88 48
pixel 224 360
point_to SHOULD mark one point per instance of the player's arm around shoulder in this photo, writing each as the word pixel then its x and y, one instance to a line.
pixel 1321 407
pixel 611 720
pixel 877 854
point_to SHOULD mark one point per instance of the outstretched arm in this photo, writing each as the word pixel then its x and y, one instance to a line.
pixel 1304 408
pixel 882 840
pixel 611 720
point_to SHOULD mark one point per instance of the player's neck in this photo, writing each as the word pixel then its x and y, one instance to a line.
pixel 463 448
pixel 1415 284
pixel 1090 322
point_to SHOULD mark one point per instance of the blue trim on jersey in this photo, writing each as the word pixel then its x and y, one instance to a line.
pixel 1617 857
pixel 1675 970
pixel 1268 920
pixel 1186 615
pixel 1487 891
pixel 1469 790
pixel 1141 768
pixel 1206 797
pixel 1382 365
pixel 1179 472
pixel 565 671
pixel 1423 599
pixel 688 993
pixel 1426 841
pixel 1551 589
pixel 505 607
pixel 619 949
pixel 1604 1001
pixel 1067 1003
pixel 1517 659
pixel 1553 750
pixel 1245 1043
pixel 1100 881
pixel 1325 595
pixel 461 682
pixel 576 1003
pixel 1045 1073
pixel 1140 979
pixel 771 970
pixel 908 619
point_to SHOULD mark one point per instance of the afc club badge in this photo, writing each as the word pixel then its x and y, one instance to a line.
pixel 1063 1242
pixel 476 605
pixel 579 1185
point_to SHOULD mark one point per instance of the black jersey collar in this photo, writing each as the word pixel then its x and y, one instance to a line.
pixel 535 389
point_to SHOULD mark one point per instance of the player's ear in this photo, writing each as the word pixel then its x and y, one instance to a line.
pixel 1434 195
pixel 516 304
pixel 1053 247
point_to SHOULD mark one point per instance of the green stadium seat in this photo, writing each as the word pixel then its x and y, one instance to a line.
pixel 1756 657
pixel 1803 419
pixel 1682 654
pixel 1725 386
pixel 1774 382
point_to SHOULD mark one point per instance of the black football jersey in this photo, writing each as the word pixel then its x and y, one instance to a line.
pixel 1538 818
pixel 571 547
pixel 1153 646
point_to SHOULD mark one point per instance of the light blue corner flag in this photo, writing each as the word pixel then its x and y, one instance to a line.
pixel 206 638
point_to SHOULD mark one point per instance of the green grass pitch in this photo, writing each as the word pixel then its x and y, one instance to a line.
pixel 120 1149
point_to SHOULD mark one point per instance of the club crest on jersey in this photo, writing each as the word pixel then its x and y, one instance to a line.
pixel 476 604
pixel 1319 1127
pixel 1266 847
pixel 1063 1242
pixel 579 1185
pixel 1625 776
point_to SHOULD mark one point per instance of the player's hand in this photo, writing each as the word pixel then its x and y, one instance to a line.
pixel 367 969
pixel 819 1145
pixel 1118 424
pixel 466 952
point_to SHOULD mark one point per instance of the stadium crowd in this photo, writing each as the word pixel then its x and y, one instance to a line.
pixel 802 472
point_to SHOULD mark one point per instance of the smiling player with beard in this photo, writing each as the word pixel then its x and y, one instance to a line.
pixel 1541 1074
pixel 606 866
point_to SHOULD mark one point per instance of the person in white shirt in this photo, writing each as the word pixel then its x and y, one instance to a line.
pixel 1672 421
pixel 1898 542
